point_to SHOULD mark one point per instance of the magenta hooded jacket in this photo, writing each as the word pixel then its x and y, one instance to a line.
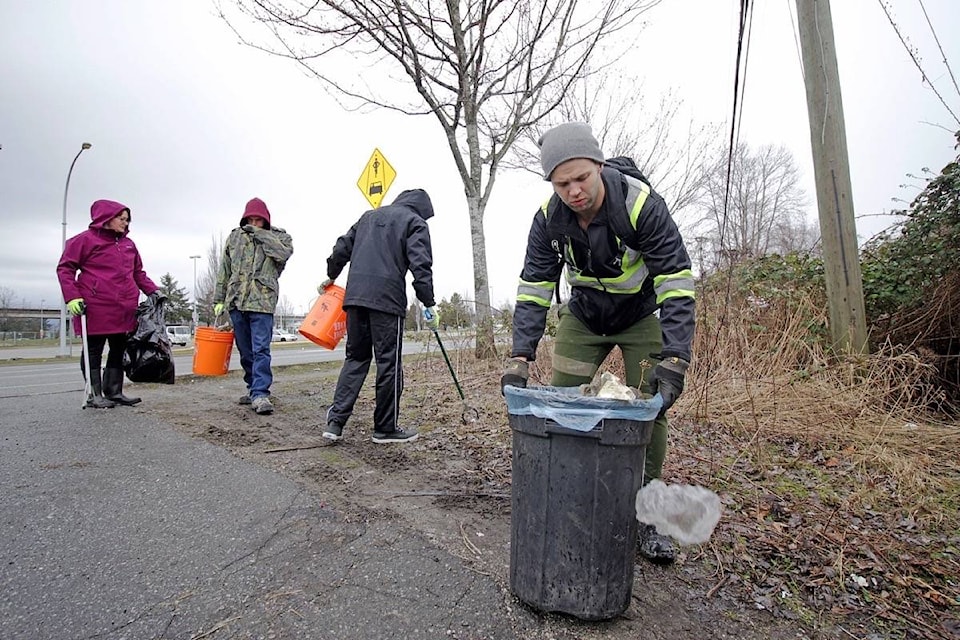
pixel 104 268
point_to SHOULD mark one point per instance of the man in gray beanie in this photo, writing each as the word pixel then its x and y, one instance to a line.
pixel 567 142
pixel 625 261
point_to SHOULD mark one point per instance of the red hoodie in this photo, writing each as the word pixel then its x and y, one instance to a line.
pixel 111 274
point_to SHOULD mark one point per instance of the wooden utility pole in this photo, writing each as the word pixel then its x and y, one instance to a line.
pixel 828 138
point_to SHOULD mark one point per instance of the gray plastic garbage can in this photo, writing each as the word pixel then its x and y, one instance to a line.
pixel 573 519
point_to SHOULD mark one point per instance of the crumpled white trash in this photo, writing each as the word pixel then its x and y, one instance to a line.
pixel 686 513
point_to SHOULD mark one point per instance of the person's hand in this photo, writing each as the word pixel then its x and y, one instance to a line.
pixel 218 309
pixel 323 285
pixel 156 298
pixel 432 317
pixel 515 374
pixel 667 379
pixel 248 228
pixel 76 306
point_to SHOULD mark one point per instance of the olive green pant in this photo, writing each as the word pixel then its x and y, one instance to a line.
pixel 578 353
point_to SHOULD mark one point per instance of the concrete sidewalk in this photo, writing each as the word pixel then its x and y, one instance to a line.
pixel 115 525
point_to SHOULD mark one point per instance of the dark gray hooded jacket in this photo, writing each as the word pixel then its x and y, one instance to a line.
pixel 381 247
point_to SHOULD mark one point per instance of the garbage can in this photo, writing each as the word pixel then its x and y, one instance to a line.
pixel 577 466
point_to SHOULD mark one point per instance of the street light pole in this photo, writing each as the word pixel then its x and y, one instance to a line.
pixel 63 245
pixel 195 318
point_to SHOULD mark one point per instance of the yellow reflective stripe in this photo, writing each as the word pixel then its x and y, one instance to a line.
pixel 678 293
pixel 540 293
pixel 538 301
pixel 682 279
pixel 637 191
pixel 630 281
pixel 548 286
pixel 674 285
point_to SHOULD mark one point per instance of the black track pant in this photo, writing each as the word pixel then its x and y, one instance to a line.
pixel 371 333
pixel 118 342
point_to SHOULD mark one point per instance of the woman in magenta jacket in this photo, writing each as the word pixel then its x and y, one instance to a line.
pixel 101 275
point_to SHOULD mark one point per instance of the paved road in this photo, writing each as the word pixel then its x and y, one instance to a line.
pixel 114 525
pixel 63 376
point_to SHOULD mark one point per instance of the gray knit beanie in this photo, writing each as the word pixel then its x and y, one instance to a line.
pixel 566 142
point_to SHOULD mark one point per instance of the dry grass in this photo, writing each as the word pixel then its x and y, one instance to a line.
pixel 841 488
pixel 758 371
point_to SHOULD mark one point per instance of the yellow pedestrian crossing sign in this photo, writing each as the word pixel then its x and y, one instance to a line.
pixel 376 178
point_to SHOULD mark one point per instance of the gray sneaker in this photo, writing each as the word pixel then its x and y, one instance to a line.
pixel 653 546
pixel 333 432
pixel 262 405
pixel 399 435
pixel 245 399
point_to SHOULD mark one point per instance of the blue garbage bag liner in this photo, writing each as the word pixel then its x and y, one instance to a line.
pixel 569 408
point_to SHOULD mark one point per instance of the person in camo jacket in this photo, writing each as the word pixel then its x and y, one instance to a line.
pixel 254 256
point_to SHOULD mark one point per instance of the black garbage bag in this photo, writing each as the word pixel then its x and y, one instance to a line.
pixel 149 354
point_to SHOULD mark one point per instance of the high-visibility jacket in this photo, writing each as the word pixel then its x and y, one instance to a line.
pixel 619 270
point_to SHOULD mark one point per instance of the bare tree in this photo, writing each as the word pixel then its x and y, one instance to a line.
pixel 487 70
pixel 764 211
pixel 283 312
pixel 207 280
pixel 626 125
pixel 6 303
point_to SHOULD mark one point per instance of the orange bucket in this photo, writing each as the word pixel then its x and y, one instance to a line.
pixel 326 323
pixel 211 352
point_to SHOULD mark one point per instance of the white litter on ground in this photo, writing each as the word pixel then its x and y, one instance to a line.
pixel 686 513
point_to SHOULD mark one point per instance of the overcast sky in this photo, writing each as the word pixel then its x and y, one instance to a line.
pixel 187 125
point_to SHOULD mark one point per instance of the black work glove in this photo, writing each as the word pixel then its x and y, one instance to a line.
pixel 667 378
pixel 515 374
pixel 157 298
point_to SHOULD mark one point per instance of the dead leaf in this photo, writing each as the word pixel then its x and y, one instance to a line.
pixel 938 598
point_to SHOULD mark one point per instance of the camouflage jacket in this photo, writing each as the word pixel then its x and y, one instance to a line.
pixel 250 266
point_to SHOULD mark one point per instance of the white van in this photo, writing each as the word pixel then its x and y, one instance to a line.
pixel 179 334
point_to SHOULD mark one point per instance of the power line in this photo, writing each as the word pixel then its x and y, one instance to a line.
pixel 796 39
pixel 916 62
pixel 746 12
pixel 743 42
pixel 946 62
pixel 746 63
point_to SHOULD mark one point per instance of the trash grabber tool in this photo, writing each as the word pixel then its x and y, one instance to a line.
pixel 469 413
pixel 87 387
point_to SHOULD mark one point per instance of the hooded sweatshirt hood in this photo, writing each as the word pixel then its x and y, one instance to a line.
pixel 416 199
pixel 256 207
pixel 103 211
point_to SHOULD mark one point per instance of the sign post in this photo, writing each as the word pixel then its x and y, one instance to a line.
pixel 376 178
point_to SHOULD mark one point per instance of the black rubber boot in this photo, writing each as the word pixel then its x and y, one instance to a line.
pixel 656 548
pixel 113 387
pixel 96 400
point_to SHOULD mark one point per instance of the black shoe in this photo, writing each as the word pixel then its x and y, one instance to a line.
pixel 398 435
pixel 245 399
pixel 333 432
pixel 95 399
pixel 113 387
pixel 98 402
pixel 656 548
